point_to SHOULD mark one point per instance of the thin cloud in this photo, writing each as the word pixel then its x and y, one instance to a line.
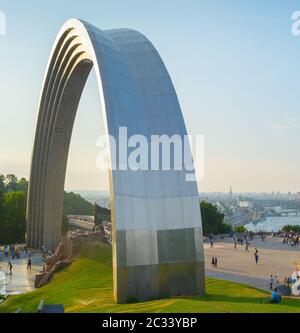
pixel 284 126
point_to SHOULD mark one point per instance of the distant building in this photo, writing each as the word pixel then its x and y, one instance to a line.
pixel 245 204
pixel 277 209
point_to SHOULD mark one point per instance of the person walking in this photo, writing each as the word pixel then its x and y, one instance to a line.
pixel 29 264
pixel 213 262
pixel 235 245
pixel 247 248
pixel 216 262
pixel 256 258
pixel 211 244
pixel 271 282
pixel 10 267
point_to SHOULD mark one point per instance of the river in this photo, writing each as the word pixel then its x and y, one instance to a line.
pixel 273 223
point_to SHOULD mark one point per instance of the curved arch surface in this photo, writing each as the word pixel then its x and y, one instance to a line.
pixel 157 232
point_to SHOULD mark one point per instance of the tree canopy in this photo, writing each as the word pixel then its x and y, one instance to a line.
pixel 240 229
pixel 213 220
pixel 291 228
pixel 12 217
pixel 13 198
pixel 11 183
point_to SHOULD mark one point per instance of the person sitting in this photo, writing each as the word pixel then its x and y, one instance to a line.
pixel 275 297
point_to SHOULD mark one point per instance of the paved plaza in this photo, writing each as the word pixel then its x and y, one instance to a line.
pixel 239 266
pixel 234 265
pixel 22 280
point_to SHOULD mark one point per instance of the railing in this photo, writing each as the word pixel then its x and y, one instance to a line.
pixel 82 223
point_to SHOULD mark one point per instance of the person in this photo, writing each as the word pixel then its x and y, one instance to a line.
pixel 44 250
pixel 247 248
pixel 211 244
pixel 10 266
pixel 256 258
pixel 271 282
pixel 255 251
pixel 12 253
pixel 235 244
pixel 213 262
pixel 216 263
pixel 29 264
pixel 288 281
pixel 6 251
pixel 275 297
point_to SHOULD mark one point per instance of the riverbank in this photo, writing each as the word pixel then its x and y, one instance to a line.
pixel 273 224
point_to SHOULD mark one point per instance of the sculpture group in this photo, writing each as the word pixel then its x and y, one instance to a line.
pixel 157 233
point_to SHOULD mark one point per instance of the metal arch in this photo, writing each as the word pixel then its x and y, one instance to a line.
pixel 157 232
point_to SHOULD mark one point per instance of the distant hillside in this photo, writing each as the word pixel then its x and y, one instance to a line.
pixel 75 204
pixel 102 214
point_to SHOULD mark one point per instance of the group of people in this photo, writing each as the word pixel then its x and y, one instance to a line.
pixel 291 240
pixel 214 262
pixel 273 282
pixel 275 296
pixel 240 240
pixel 12 253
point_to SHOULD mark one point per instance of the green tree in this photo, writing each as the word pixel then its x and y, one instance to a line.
pixel 11 183
pixel 291 228
pixel 3 222
pixel 64 225
pixel 213 220
pixel 240 229
pixel 12 218
pixel 22 185
pixel 2 183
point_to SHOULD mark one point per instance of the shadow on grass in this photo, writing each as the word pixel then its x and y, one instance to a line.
pixel 230 299
pixel 295 303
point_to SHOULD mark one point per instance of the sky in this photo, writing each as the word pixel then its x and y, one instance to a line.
pixel 235 66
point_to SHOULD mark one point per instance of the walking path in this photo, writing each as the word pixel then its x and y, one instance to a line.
pixel 239 266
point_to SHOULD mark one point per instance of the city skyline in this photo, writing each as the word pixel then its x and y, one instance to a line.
pixel 238 89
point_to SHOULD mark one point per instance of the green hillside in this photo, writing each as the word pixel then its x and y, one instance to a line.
pixel 86 286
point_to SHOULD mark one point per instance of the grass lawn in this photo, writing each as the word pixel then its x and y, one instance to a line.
pixel 86 286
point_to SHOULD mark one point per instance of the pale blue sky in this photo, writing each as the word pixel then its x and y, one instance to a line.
pixel 235 66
